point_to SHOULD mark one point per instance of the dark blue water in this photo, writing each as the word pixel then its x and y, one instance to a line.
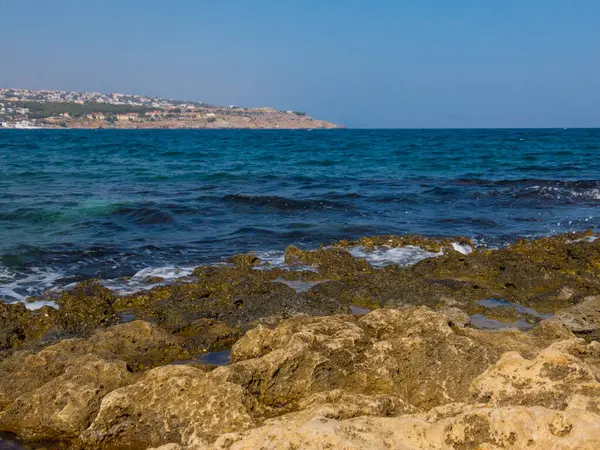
pixel 78 204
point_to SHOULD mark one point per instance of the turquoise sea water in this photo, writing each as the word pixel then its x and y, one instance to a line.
pixel 76 204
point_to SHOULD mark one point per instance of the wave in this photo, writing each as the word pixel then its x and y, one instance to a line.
pixel 480 222
pixel 254 231
pixel 401 198
pixel 549 192
pixel 146 215
pixel 18 287
pixel 527 188
pixel 577 184
pixel 282 203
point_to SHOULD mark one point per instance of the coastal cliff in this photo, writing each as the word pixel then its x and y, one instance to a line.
pixel 471 348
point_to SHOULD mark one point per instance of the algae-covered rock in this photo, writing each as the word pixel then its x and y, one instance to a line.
pixel 429 244
pixel 331 262
pixel 85 307
pixel 208 335
pixel 19 325
pixel 245 260
pixel 234 295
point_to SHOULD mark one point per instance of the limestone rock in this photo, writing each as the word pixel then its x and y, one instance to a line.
pixel 555 378
pixel 56 392
pixel 408 378
pixel 64 406
pixel 169 404
pixel 414 354
pixel 509 427
pixel 583 318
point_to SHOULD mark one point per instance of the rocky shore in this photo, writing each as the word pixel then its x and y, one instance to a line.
pixel 473 348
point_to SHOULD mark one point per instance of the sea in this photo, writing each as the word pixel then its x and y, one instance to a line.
pixel 123 206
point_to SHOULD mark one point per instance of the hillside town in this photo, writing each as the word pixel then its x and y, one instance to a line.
pixel 29 108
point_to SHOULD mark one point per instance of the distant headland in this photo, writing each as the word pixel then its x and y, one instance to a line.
pixel 31 108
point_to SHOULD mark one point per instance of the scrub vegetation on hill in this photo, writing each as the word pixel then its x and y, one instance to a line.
pixel 43 110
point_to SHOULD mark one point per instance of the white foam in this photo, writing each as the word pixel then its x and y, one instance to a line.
pixel 5 274
pixel 560 192
pixel 584 239
pixel 273 258
pixel 465 249
pixel 168 273
pixel 10 294
pixel 14 288
pixel 383 256
pixel 37 305
pixel 142 280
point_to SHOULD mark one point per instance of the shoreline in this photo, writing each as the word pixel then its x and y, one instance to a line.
pixel 304 332
pixel 339 127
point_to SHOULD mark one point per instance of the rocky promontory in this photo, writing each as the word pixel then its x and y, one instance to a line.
pixel 470 349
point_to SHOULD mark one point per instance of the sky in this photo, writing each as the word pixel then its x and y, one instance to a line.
pixel 364 64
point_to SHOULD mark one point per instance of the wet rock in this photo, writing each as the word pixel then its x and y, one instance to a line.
pixel 233 295
pixel 19 326
pixel 84 308
pixel 428 244
pixel 331 262
pixel 209 335
pixel 245 260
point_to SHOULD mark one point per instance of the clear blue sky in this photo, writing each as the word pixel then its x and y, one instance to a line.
pixel 419 63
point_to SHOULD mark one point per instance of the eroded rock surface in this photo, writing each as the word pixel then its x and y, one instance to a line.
pixel 408 378
pixel 305 373
pixel 56 392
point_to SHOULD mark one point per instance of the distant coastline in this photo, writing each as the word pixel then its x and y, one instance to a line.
pixel 51 109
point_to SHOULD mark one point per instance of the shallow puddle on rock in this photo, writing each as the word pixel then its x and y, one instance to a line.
pixel 485 323
pixel 221 358
pixel 359 311
pixel 126 317
pixel 492 303
pixel 299 285
pixel 6 443
pixel 9 441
